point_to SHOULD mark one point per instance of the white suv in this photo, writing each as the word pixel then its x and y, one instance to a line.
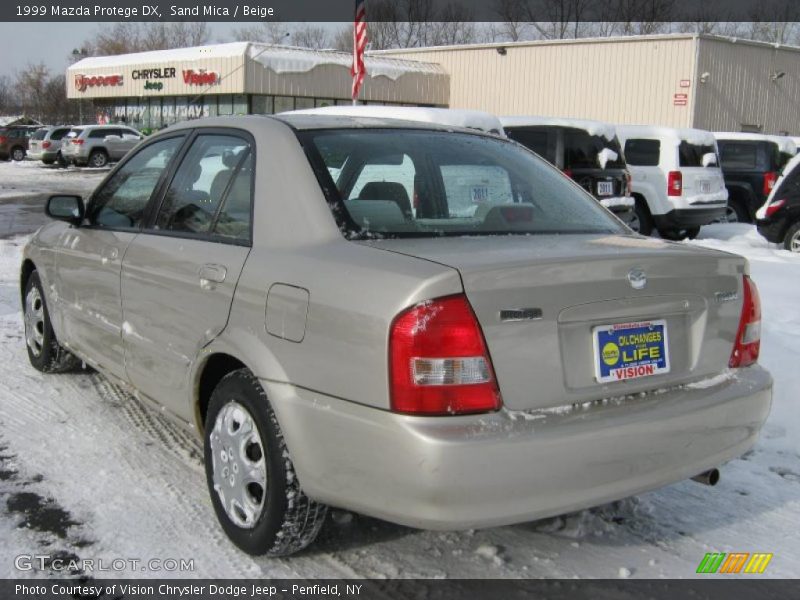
pixel 675 178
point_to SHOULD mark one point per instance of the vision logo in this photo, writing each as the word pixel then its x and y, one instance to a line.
pixel 734 562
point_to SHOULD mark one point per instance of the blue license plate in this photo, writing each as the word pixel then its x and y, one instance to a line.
pixel 630 350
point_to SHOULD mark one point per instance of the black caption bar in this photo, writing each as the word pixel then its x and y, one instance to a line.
pixel 564 11
pixel 453 589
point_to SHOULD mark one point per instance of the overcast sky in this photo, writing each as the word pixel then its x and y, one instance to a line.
pixel 52 43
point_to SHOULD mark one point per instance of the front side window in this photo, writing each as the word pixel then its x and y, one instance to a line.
pixel 122 202
pixel 642 152
pixel 429 184
pixel 205 177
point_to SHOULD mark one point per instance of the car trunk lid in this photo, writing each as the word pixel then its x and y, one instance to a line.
pixel 541 299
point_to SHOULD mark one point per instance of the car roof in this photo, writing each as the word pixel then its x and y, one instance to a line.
pixel 307 122
pixel 601 128
pixel 699 137
pixel 785 144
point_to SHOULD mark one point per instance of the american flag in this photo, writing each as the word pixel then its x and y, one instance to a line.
pixel 358 70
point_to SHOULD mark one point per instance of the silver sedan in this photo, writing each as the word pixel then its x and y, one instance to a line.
pixel 427 325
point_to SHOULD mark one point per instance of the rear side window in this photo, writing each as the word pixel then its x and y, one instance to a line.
pixel 101 133
pixel 691 155
pixel 581 150
pixel 39 135
pixel 58 134
pixel 541 141
pixel 642 152
pixel 207 175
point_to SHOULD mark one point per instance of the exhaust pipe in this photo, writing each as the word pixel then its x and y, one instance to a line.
pixel 710 477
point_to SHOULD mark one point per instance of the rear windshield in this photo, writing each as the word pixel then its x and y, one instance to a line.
pixel 413 183
pixel 691 155
pixel 39 134
pixel 74 132
pixel 747 155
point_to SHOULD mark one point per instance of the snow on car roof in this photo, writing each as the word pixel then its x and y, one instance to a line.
pixel 607 130
pixel 785 144
pixel 469 119
pixel 698 137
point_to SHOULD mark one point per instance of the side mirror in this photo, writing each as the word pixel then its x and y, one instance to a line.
pixel 65 208
pixel 709 159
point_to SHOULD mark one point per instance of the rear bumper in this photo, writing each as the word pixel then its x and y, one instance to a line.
pixel 42 154
pixel 773 230
pixel 502 468
pixel 689 217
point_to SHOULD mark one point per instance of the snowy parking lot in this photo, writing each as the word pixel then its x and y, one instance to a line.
pixel 87 471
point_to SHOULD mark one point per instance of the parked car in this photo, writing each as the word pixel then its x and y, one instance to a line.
pixel 45 144
pixel 676 179
pixel 97 145
pixel 14 141
pixel 437 359
pixel 587 151
pixel 751 163
pixel 778 220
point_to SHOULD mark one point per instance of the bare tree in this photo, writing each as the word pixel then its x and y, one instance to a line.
pixel 127 37
pixel 309 36
pixel 8 96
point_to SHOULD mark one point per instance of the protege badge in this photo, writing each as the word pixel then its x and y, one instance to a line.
pixel 723 297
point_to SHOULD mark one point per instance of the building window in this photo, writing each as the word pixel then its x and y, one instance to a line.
pixel 155 113
pixel 300 103
pixel 262 105
pixel 283 103
pixel 225 105
pixel 318 102
pixel 210 103
pixel 240 104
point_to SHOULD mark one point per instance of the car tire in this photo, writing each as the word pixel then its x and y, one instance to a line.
pixel 62 162
pixel 44 351
pixel 98 159
pixel 18 153
pixel 791 241
pixel 676 235
pixel 692 232
pixel 735 212
pixel 48 161
pixel 242 434
pixel 643 221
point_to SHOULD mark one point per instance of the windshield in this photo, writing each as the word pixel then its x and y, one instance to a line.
pixel 414 183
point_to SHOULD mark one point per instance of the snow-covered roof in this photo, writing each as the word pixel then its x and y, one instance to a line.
pixel 471 119
pixel 7 120
pixel 159 56
pixel 785 144
pixel 288 59
pixel 280 59
pixel 698 137
pixel 607 130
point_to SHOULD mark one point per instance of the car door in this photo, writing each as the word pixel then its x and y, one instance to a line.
pixel 89 259
pixel 179 275
pixel 128 138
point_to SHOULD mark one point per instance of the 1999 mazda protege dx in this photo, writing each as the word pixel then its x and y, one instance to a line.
pixel 430 326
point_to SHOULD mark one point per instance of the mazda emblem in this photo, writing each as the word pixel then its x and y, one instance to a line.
pixel 637 278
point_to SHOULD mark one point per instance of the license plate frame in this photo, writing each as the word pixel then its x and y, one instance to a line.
pixel 705 187
pixel 630 354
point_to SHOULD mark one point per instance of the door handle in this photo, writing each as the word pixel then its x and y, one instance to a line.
pixel 212 274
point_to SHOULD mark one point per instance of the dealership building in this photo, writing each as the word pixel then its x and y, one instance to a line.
pixel 158 88
pixel 676 80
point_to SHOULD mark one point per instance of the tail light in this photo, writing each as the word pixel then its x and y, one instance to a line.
pixel 3 139
pixel 77 141
pixel 769 181
pixel 748 336
pixel 775 206
pixel 568 173
pixel 674 183
pixel 628 184
pixel 438 361
pixel 46 145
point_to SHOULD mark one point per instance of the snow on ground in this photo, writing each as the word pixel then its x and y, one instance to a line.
pixel 30 178
pixel 86 471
